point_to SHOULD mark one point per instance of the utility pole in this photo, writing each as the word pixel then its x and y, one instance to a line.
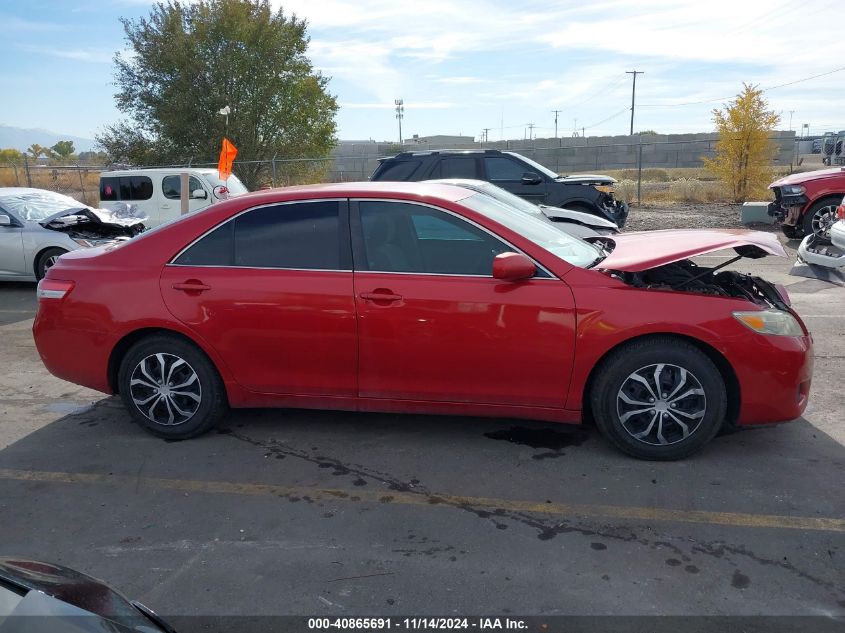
pixel 400 113
pixel 790 119
pixel 633 93
pixel 530 131
pixel 556 113
pixel 486 134
pixel 575 127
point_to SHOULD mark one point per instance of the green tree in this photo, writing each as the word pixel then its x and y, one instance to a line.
pixel 63 149
pixel 10 155
pixel 744 151
pixel 193 59
pixel 35 150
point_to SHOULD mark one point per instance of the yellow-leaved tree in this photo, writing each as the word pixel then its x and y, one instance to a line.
pixel 744 151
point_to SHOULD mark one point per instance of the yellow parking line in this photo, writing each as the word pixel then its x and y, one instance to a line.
pixel 567 510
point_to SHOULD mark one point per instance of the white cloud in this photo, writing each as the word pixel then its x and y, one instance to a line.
pixel 87 55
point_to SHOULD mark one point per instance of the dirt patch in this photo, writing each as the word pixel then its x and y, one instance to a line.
pixel 650 217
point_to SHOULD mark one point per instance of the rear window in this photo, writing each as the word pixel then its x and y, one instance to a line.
pixel 397 170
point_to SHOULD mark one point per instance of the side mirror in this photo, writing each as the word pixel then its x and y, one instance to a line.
pixel 530 178
pixel 513 267
pixel 199 194
pixel 5 220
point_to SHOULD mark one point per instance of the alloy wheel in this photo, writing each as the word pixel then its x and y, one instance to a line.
pixel 661 404
pixel 165 389
pixel 822 220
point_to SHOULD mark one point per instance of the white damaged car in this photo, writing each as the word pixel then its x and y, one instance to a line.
pixel 38 226
pixel 826 252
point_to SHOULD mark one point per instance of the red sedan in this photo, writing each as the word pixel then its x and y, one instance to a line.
pixel 426 298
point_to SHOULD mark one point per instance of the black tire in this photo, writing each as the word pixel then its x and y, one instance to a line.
pixel 615 381
pixel 820 209
pixel 792 232
pixel 201 401
pixel 45 260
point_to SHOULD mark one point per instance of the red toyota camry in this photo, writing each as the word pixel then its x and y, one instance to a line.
pixel 426 298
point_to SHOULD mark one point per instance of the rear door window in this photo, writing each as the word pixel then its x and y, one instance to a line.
pixel 127 188
pixel 304 235
pixel 458 168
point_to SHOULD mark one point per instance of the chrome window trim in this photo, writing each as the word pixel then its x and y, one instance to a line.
pixel 236 216
pixel 460 217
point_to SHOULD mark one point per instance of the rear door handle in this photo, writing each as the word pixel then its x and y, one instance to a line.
pixel 380 296
pixel 191 286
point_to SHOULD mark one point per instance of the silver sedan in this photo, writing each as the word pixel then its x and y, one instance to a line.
pixel 38 226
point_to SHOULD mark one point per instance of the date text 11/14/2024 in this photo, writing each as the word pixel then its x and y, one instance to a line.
pixel 417 624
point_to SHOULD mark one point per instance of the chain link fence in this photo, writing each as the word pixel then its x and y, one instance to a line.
pixel 650 170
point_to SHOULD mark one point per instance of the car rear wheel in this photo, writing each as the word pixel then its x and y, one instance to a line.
pixel 46 261
pixel 820 217
pixel 171 387
pixel 659 399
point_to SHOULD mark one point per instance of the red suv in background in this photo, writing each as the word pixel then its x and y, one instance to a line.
pixel 806 202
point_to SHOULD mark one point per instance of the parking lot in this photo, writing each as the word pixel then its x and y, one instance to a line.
pixel 304 512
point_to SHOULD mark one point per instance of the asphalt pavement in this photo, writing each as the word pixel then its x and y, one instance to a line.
pixel 331 513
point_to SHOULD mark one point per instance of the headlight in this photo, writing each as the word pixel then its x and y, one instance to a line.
pixel 90 243
pixel 793 190
pixel 770 321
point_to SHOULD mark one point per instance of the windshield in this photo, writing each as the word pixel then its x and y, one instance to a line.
pixel 37 205
pixel 537 166
pixel 571 249
pixel 233 184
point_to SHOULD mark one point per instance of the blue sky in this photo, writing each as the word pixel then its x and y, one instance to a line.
pixel 465 65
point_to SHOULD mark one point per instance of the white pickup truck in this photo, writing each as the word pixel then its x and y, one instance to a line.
pixel 156 193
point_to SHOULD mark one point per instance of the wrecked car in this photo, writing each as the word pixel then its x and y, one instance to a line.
pixel 576 223
pixel 829 252
pixel 408 297
pixel 589 193
pixel 38 226
pixel 42 596
pixel 806 202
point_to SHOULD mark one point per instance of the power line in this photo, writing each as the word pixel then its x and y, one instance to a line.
pixel 721 99
pixel 612 116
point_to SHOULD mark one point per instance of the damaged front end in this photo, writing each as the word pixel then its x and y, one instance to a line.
pixel 687 276
pixel 662 260
pixel 95 227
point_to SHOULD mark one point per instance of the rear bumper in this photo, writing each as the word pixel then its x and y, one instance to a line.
pixel 812 252
pixel 774 375
pixel 78 356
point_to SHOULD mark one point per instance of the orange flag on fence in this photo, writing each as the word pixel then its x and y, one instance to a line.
pixel 227 157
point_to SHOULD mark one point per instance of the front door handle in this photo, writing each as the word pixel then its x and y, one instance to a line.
pixel 380 296
pixel 191 286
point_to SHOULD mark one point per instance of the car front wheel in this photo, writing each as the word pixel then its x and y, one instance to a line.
pixel 46 261
pixel 171 387
pixel 659 399
pixel 820 217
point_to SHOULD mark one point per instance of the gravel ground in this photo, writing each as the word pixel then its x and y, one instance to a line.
pixel 649 217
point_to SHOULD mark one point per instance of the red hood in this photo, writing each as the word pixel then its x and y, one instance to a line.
pixel 797 179
pixel 635 252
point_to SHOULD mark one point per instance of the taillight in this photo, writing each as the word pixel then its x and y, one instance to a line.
pixel 840 211
pixel 53 288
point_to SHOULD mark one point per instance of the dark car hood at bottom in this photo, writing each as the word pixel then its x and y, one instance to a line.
pixel 55 591
pixel 639 251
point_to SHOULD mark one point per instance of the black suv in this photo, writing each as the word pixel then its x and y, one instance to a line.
pixel 512 172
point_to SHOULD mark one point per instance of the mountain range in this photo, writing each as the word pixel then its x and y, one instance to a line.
pixel 21 138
